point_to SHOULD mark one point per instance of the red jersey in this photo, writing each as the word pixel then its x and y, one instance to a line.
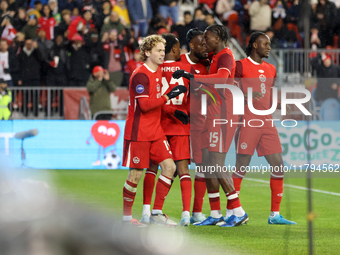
pixel 222 60
pixel 47 24
pixel 196 118
pixel 170 124
pixel 260 77
pixel 144 126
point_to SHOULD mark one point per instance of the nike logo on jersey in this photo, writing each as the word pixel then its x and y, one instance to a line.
pixel 261 71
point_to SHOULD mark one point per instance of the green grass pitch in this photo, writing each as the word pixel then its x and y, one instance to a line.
pixel 103 189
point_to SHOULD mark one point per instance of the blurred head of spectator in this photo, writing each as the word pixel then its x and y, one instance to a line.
pixel 136 55
pixel 98 72
pixel 46 11
pixel 326 60
pixel 113 35
pixel 198 15
pixel 187 17
pixel 19 37
pixel 32 21
pixel 3 46
pixel 75 13
pixel 107 7
pixel 66 16
pixel 94 37
pixel 209 18
pixel 22 14
pixel 59 39
pixel 114 17
pixel 87 12
pixel 3 6
pixel 28 45
pixel 38 6
pixel 78 41
pixel 53 6
pixel 41 34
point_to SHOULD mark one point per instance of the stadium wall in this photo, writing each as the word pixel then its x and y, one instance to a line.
pixel 67 144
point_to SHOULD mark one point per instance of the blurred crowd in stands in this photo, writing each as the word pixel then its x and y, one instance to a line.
pixel 58 42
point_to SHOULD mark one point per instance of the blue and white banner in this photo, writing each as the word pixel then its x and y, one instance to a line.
pixel 79 144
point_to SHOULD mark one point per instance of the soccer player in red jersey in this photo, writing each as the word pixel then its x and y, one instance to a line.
pixel 144 139
pixel 217 138
pixel 175 128
pixel 195 58
pixel 261 135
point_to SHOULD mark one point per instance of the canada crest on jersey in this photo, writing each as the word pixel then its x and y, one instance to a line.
pixel 262 78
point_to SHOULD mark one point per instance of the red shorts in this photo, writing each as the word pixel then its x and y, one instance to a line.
pixel 266 141
pixel 138 155
pixel 179 145
pixel 218 138
pixel 196 146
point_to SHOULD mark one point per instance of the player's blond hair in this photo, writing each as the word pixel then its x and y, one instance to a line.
pixel 148 43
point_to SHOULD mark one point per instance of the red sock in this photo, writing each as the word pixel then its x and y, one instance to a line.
pixel 214 200
pixel 129 193
pixel 200 189
pixel 186 188
pixel 237 178
pixel 276 186
pixel 233 200
pixel 162 189
pixel 148 186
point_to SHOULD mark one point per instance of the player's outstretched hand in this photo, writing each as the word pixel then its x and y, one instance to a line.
pixel 182 116
pixel 181 73
pixel 176 91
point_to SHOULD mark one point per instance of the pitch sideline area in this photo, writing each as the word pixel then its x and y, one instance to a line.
pixel 102 189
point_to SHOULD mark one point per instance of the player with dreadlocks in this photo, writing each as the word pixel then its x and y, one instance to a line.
pixel 260 76
pixel 216 139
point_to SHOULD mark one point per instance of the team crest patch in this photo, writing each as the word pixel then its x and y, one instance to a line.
pixel 140 88
pixel 136 160
pixel 262 78
pixel 244 146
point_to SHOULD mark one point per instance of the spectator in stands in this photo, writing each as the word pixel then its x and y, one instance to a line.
pixel 30 65
pixel 44 46
pixel 327 78
pixel 326 14
pixel 13 50
pixel 274 42
pixel 61 29
pixel 3 7
pixel 180 30
pixel 260 15
pixel 279 20
pixel 115 60
pixel 96 50
pixel 167 7
pixel 57 70
pixel 99 87
pixel 224 8
pixel 123 13
pixel 82 24
pixel 30 29
pixel 141 14
pixel 20 19
pixel 104 12
pixel 210 19
pixel 158 25
pixel 133 63
pixel 79 61
pixel 47 22
pixel 199 19
pixel 112 23
pixel 36 10
pixel 54 8
pixel 5 100
pixel 6 61
pixel 294 12
pixel 211 3
pixel 8 31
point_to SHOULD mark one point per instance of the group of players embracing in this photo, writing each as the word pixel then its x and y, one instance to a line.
pixel 157 131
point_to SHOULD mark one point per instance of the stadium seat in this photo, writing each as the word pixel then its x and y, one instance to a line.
pixel 330 109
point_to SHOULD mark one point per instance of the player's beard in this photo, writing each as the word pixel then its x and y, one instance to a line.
pixel 199 55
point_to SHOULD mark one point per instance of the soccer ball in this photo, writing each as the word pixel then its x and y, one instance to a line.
pixel 111 160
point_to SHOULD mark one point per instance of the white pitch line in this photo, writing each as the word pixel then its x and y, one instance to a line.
pixel 297 187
